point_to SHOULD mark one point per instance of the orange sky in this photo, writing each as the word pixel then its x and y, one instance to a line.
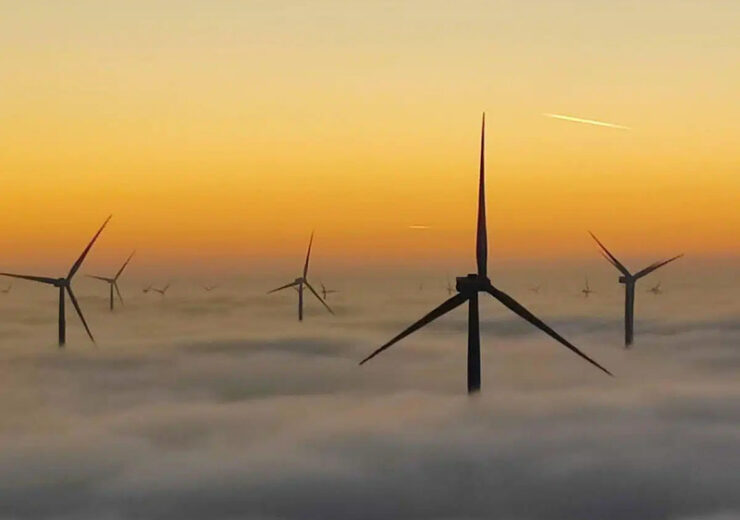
pixel 228 130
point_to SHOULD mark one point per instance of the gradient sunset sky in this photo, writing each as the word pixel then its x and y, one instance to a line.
pixel 227 130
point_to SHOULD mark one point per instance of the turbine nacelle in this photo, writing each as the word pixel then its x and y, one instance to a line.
pixel 472 283
pixel 61 282
pixel 624 279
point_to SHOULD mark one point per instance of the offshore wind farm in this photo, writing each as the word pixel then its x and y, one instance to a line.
pixel 290 299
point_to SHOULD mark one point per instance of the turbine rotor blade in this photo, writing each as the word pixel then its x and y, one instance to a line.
pixel 612 259
pixel 481 241
pixel 79 261
pixel 609 259
pixel 654 266
pixel 103 278
pixel 308 256
pixel 79 312
pixel 42 279
pixel 444 308
pixel 118 292
pixel 286 286
pixel 124 266
pixel 319 297
pixel 517 308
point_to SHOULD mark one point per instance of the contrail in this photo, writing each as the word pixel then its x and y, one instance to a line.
pixel 587 121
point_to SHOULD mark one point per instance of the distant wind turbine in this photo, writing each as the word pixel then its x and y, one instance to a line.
pixel 113 282
pixel 299 282
pixel 629 280
pixel 161 291
pixel 325 291
pixel 146 289
pixel 586 290
pixel 468 288
pixel 209 288
pixel 65 284
pixel 7 289
pixel 656 290
pixel 450 289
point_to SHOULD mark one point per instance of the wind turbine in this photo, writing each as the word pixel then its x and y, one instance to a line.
pixel 146 289
pixel 629 280
pixel 7 289
pixel 656 290
pixel 113 282
pixel 325 291
pixel 468 288
pixel 586 290
pixel 65 284
pixel 161 291
pixel 299 282
pixel 209 288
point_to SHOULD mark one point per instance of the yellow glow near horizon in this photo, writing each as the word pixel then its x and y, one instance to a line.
pixel 228 130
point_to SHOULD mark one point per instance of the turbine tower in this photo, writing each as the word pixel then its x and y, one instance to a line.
pixel 468 288
pixel 629 280
pixel 113 282
pixel 65 284
pixel 299 282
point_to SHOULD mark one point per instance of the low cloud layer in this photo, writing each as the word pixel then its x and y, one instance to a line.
pixel 222 406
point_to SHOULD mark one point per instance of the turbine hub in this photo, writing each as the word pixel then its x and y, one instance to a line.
pixel 61 282
pixel 622 279
pixel 472 283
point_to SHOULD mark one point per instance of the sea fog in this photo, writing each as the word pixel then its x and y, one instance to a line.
pixel 221 405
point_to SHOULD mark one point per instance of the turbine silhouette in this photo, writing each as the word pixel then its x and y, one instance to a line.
pixel 161 291
pixel 450 289
pixel 629 280
pixel 656 290
pixel 325 291
pixel 299 282
pixel 65 284
pixel 586 290
pixel 113 282
pixel 468 288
